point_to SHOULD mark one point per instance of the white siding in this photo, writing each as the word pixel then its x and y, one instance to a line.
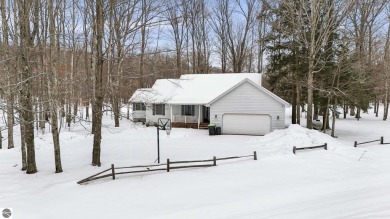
pixel 151 119
pixel 139 115
pixel 246 98
pixel 176 109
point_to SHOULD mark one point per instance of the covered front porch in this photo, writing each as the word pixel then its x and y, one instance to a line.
pixel 190 116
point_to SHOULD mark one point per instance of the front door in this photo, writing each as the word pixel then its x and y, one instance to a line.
pixel 206 114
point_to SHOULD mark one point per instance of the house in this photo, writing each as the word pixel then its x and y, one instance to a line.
pixel 236 102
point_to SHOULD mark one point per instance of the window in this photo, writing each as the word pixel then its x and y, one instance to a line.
pixel 139 107
pixel 159 109
pixel 188 110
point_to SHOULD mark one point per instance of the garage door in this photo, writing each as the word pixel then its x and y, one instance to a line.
pixel 246 124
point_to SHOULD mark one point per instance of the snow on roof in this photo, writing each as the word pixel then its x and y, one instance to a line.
pixel 161 92
pixel 141 95
pixel 192 88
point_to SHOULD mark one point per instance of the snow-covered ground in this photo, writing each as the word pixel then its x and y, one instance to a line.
pixel 311 184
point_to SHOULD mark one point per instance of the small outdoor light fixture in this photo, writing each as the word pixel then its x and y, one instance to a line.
pixel 162 124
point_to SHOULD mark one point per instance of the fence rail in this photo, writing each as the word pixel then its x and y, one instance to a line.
pixel 325 146
pixel 381 141
pixel 170 165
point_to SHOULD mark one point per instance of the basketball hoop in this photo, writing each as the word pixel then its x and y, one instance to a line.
pixel 164 124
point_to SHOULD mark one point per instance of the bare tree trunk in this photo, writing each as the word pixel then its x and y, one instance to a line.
pixel 352 111
pixel 357 116
pixel 298 104
pixel 310 80
pixel 52 89
pixel 377 108
pixel 143 46
pixel 99 95
pixel 334 117
pixel 10 119
pixel 10 94
pixel 26 44
pixel 345 109
pixel 385 109
pixel 386 69
pixel 325 118
pixel 90 66
pixel 23 145
pixel 294 106
pixel 316 109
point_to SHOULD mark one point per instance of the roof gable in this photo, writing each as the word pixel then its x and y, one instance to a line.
pixel 264 90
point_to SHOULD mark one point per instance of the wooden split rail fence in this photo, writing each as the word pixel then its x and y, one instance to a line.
pixel 170 165
pixel 325 146
pixel 355 144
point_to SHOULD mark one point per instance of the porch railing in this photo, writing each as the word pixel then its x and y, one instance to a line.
pixel 184 119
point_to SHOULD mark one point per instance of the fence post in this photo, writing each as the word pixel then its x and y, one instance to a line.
pixel 294 148
pixel 113 171
pixel 355 144
pixel 254 155
pixel 215 161
pixel 382 140
pixel 167 165
pixel 326 146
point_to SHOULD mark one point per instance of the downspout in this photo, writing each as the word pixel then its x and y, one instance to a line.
pixel 199 118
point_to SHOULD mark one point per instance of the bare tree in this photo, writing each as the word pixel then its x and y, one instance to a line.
pixel 233 24
pixel 98 34
pixel 10 77
pixel 53 87
pixel 197 22
pixel 219 26
pixel 26 44
pixel 386 59
pixel 176 17
pixel 363 17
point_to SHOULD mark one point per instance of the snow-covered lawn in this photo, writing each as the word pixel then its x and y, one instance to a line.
pixel 311 184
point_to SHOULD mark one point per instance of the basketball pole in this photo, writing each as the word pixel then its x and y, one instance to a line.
pixel 158 144
pixel 160 126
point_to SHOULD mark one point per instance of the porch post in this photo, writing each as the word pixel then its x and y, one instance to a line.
pixel 171 113
pixel 199 118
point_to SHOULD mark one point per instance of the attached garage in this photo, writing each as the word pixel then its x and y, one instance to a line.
pixel 246 124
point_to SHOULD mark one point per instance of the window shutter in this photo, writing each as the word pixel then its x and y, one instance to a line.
pixel 163 109
pixel 182 110
pixel 154 109
pixel 193 110
pixel 134 108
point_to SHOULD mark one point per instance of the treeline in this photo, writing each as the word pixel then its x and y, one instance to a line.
pixel 325 54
